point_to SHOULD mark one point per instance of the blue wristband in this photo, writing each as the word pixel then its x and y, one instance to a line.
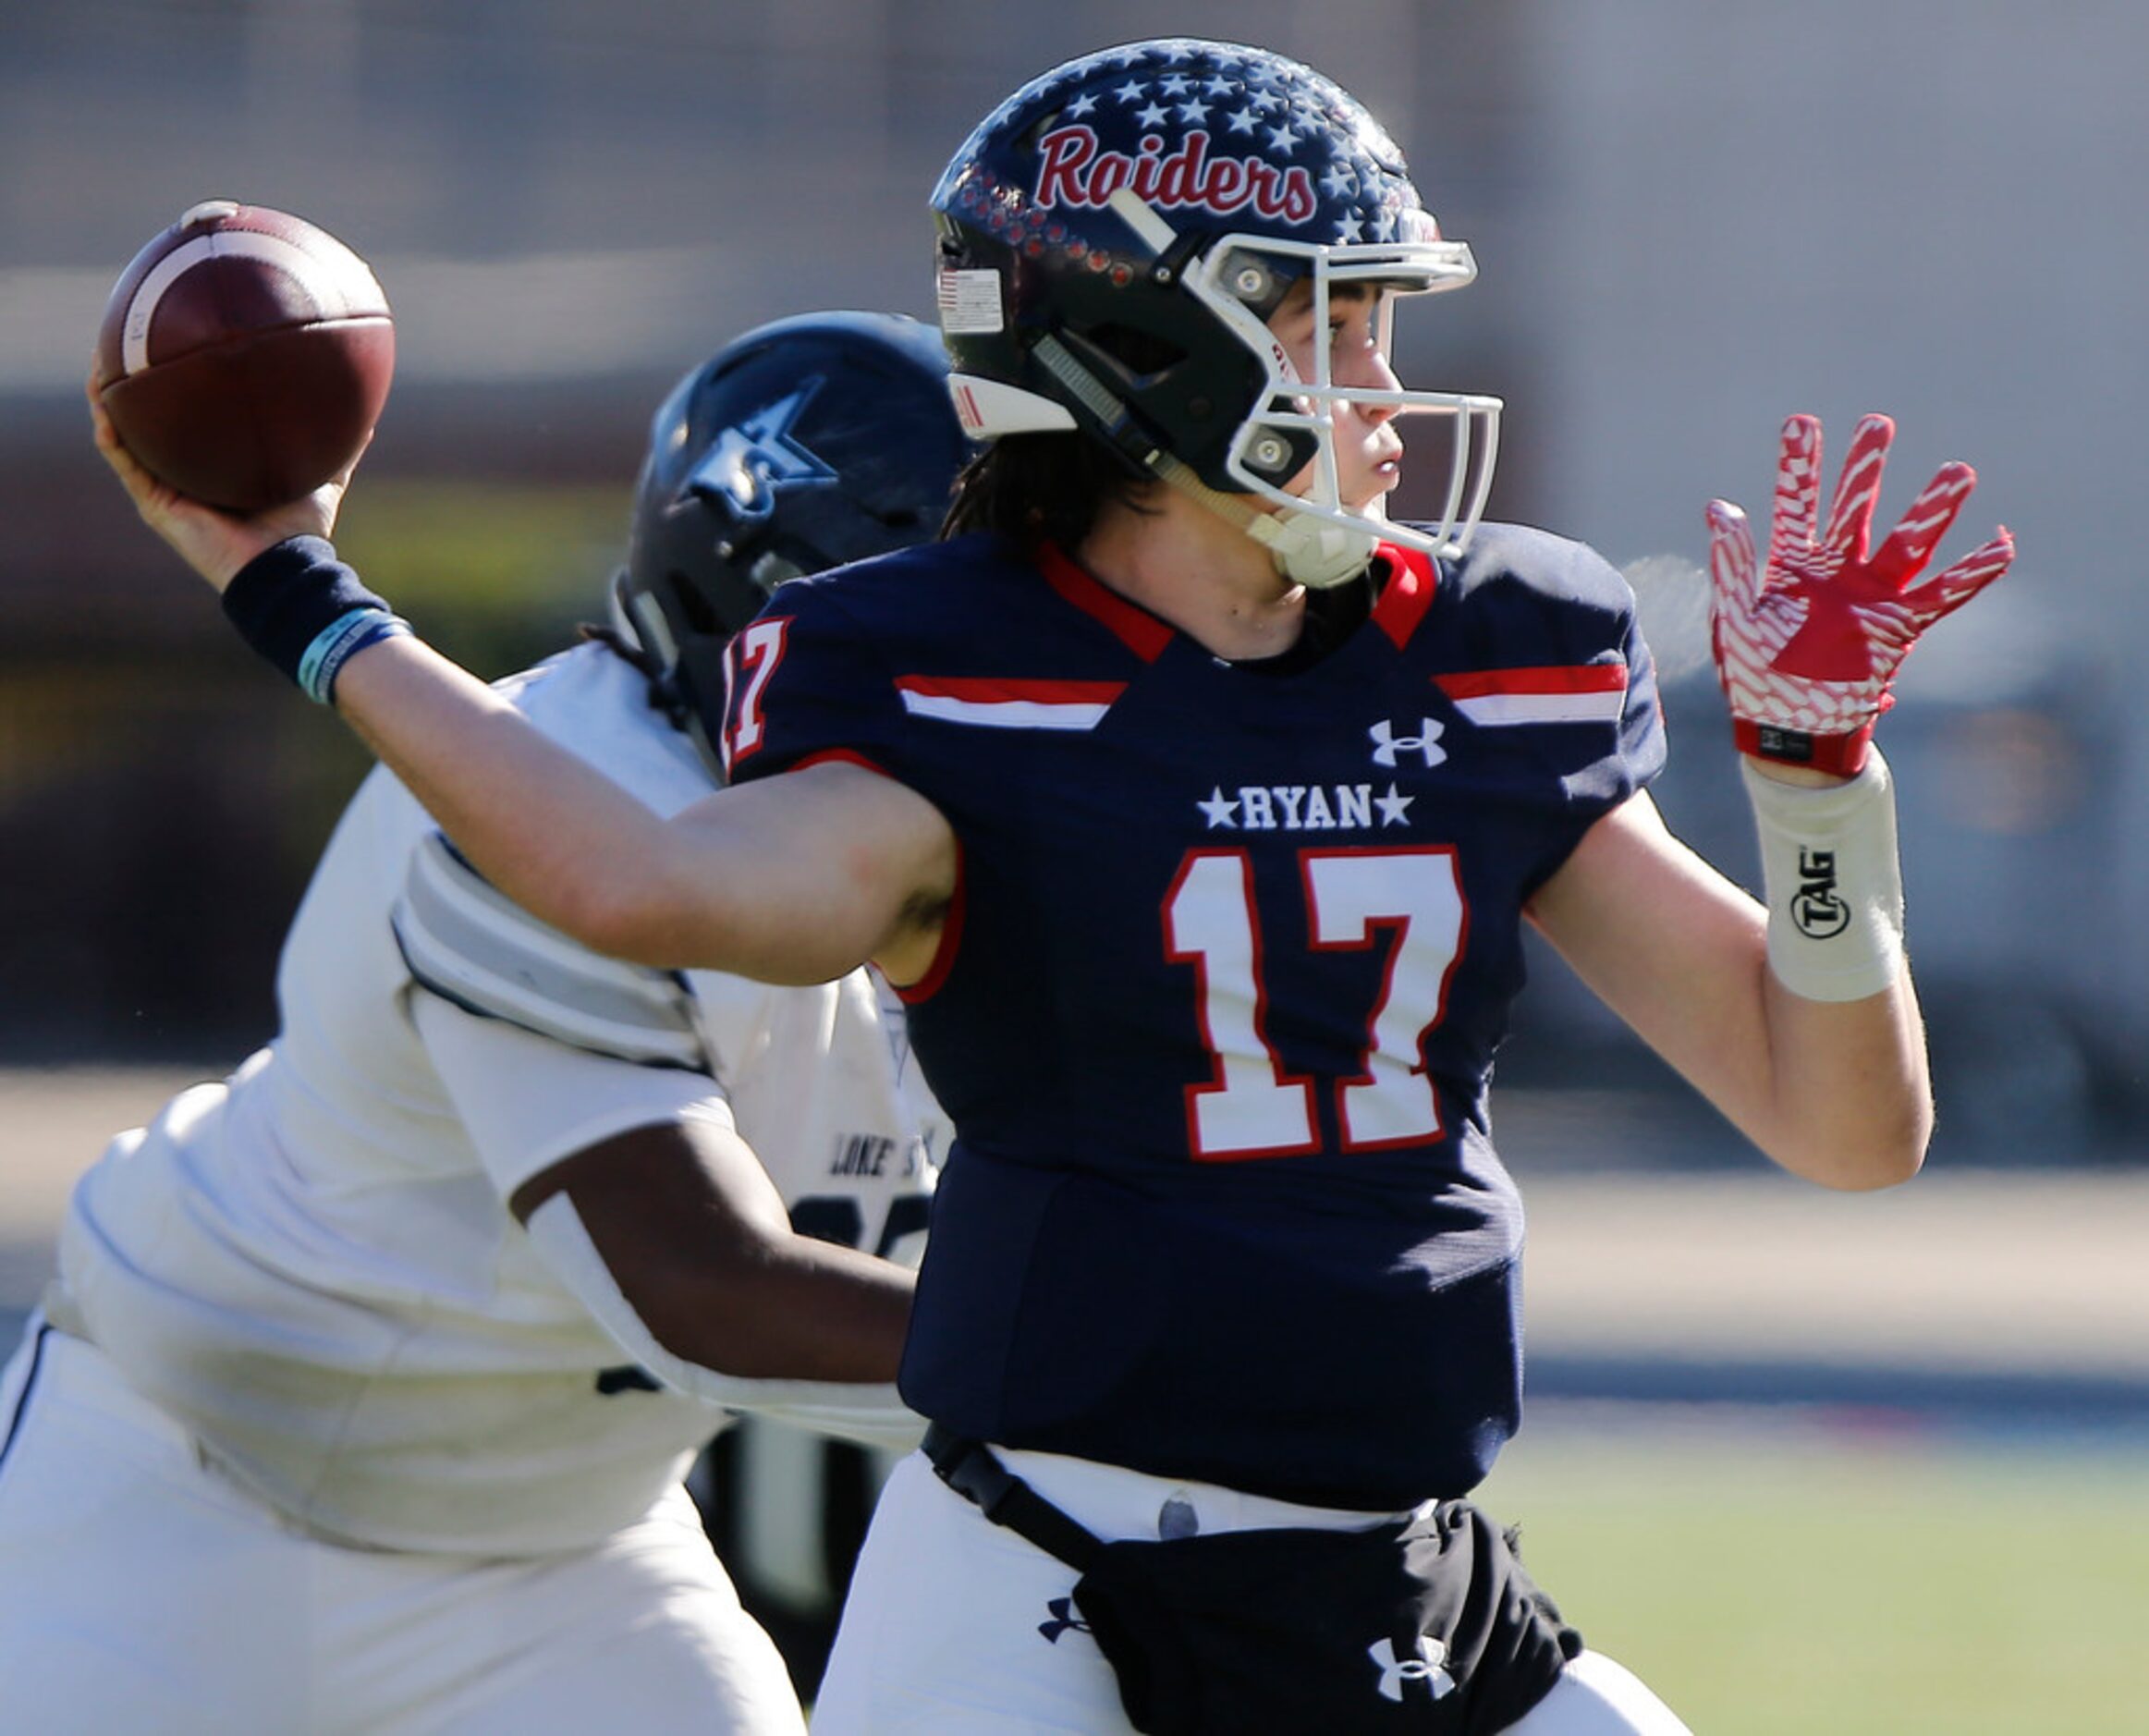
pixel 306 611
pixel 339 641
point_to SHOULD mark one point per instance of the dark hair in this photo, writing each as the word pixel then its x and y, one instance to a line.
pixel 1036 488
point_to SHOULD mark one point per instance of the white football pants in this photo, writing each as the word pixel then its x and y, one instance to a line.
pixel 140 1591
pixel 956 1627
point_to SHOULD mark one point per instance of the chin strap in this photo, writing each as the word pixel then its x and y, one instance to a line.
pixel 1308 551
pixel 1317 552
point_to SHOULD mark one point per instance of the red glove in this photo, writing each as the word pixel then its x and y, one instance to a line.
pixel 1806 653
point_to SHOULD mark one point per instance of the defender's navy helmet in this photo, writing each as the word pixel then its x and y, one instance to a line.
pixel 802 445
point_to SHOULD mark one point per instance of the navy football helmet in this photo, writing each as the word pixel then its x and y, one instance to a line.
pixel 1113 239
pixel 803 444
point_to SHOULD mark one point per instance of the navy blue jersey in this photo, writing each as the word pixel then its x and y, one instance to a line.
pixel 1232 948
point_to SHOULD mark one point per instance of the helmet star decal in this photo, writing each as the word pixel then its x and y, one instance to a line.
pixel 800 445
pixel 749 462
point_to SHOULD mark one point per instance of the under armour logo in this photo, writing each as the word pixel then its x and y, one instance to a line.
pixel 1387 743
pixel 1817 907
pixel 1428 1667
pixel 1063 1618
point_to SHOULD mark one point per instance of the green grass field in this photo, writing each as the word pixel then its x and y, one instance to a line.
pixel 1774 1576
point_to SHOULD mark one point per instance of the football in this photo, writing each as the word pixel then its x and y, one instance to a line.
pixel 244 356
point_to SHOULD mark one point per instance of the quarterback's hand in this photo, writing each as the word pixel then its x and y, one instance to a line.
pixel 215 545
pixel 1806 649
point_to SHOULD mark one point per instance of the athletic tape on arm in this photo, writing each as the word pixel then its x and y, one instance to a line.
pixel 1833 881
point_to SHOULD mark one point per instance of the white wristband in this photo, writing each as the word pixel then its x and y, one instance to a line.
pixel 1832 881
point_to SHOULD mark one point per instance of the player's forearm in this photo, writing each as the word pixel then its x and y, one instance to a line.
pixel 1832 1090
pixel 800 1310
pixel 555 836
pixel 815 1317
pixel 790 887
pixel 1835 1092
pixel 1849 1103
pixel 676 1239
pixel 1846 1038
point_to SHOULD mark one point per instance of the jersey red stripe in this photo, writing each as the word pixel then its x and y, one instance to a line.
pixel 1585 677
pixel 1407 593
pixel 1134 626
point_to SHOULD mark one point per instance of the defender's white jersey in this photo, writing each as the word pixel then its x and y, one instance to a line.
pixel 312 1264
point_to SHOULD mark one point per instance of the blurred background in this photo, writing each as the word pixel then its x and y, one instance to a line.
pixel 1689 219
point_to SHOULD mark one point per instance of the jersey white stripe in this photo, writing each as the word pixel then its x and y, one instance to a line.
pixel 1495 710
pixel 1007 714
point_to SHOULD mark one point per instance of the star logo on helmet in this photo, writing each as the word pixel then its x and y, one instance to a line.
pixel 1179 84
pixel 1349 229
pixel 747 463
pixel 1082 104
pixel 1220 86
pixel 1194 112
pixel 1243 121
pixel 1133 91
pixel 1338 181
pixel 1283 138
pixel 1155 115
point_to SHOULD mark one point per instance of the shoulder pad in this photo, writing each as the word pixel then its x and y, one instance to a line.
pixel 1524 557
pixel 471 944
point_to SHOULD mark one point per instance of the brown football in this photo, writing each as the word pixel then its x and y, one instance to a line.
pixel 245 355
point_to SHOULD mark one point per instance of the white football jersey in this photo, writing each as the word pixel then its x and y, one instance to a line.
pixel 312 1263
